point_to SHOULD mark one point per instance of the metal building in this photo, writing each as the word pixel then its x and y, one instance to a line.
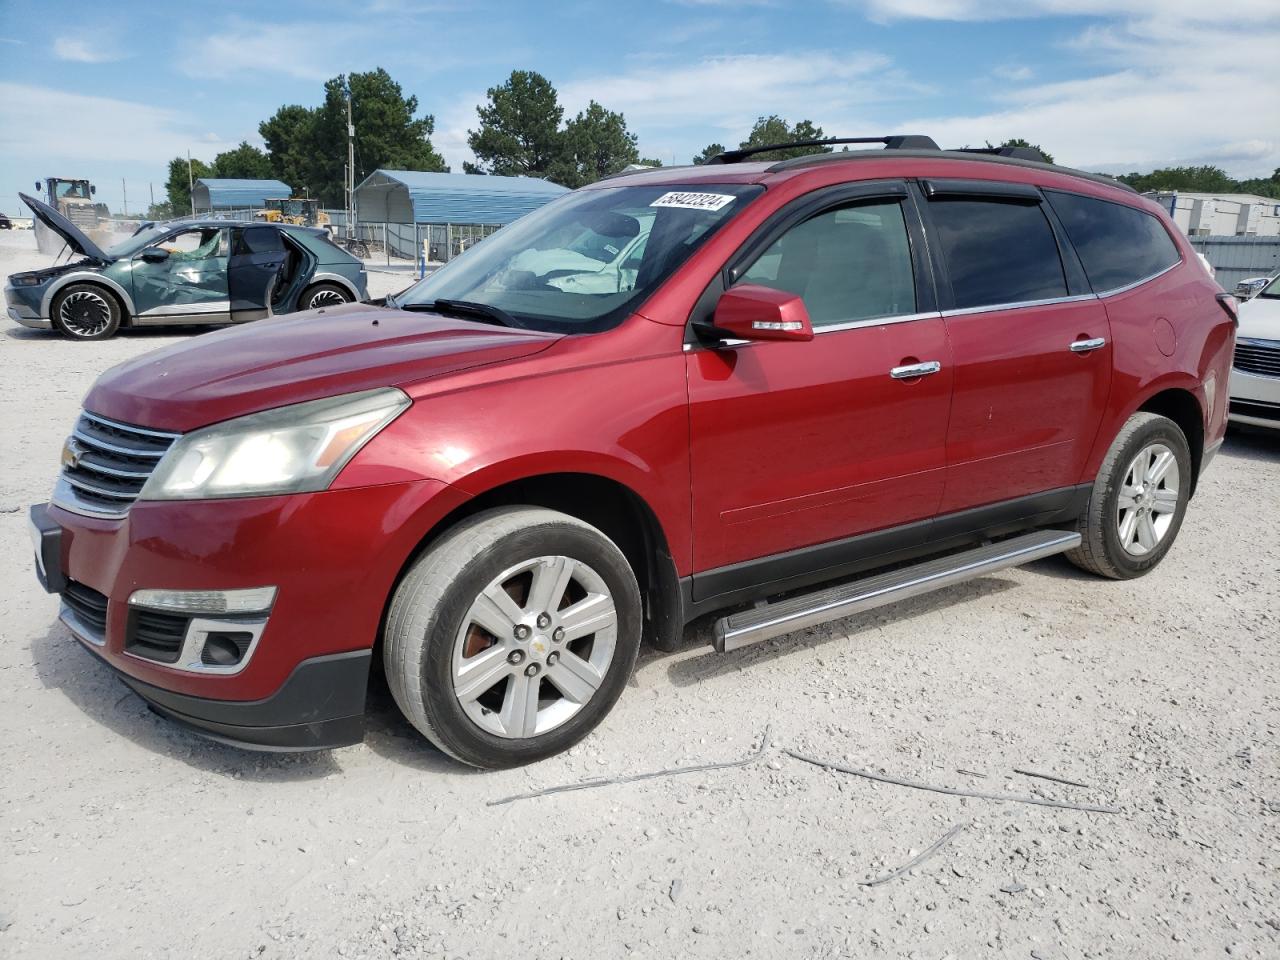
pixel 1221 214
pixel 212 194
pixel 445 212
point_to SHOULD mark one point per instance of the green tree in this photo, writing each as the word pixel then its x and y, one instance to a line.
pixel 709 151
pixel 1270 187
pixel 178 187
pixel 519 131
pixel 647 162
pixel 1201 179
pixel 244 162
pixel 289 137
pixel 594 144
pixel 388 134
pixel 773 129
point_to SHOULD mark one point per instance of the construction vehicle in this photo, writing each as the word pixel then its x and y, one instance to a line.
pixel 299 211
pixel 74 200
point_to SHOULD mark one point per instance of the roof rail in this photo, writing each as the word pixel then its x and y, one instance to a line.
pixel 900 142
pixel 1018 153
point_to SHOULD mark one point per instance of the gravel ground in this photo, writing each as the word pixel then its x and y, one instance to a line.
pixel 123 836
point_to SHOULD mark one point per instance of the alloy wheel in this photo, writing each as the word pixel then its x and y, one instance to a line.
pixel 325 298
pixel 534 647
pixel 1148 499
pixel 84 313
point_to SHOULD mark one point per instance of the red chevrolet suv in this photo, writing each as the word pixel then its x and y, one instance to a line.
pixel 787 391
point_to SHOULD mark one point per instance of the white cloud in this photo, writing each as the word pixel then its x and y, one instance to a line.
pixel 35 127
pixel 306 50
pixel 85 51
pixel 1222 11
pixel 726 94
pixel 1018 73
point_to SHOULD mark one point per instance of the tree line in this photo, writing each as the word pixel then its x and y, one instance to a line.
pixel 522 131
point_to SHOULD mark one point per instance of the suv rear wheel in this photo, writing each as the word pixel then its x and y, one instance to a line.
pixel 1138 500
pixel 511 638
pixel 323 295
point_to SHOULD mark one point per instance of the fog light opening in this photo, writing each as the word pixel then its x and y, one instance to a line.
pixel 225 648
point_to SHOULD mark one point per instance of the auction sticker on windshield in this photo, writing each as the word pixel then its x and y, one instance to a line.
pixel 694 201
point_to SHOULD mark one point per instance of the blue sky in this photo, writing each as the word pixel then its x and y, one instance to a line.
pixel 111 91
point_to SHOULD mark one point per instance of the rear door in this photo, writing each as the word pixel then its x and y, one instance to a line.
pixel 258 258
pixel 1030 342
pixel 808 445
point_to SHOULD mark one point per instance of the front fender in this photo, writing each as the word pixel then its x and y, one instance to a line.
pixel 83 276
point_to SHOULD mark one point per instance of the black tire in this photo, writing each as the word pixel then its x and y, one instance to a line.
pixel 86 311
pixel 432 605
pixel 320 295
pixel 1101 550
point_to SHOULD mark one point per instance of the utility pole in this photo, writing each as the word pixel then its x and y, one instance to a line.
pixel 191 185
pixel 125 190
pixel 351 169
pixel 152 188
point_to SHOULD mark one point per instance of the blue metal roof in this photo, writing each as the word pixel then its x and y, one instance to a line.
pixel 460 198
pixel 219 194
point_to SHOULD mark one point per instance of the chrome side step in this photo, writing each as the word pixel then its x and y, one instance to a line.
pixel 811 609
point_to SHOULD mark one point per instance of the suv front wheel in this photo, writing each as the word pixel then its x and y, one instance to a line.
pixel 511 637
pixel 1138 500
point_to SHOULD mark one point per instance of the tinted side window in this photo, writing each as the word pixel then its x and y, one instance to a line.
pixel 259 240
pixel 1118 245
pixel 997 252
pixel 851 263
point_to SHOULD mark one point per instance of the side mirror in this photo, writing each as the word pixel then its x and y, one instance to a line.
pixel 753 312
pixel 92 190
pixel 155 255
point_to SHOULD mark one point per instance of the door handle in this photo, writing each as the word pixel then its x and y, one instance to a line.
pixel 1084 346
pixel 913 370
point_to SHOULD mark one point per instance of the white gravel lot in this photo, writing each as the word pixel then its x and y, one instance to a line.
pixel 124 836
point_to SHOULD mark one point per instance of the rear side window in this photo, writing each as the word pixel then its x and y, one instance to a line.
pixel 851 263
pixel 1118 245
pixel 997 252
pixel 259 240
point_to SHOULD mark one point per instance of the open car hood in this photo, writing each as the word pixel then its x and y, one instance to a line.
pixel 75 237
pixel 298 357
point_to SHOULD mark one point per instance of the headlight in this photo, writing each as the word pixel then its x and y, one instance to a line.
pixel 292 449
pixel 27 281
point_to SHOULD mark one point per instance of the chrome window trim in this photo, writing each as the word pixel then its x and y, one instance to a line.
pixel 1137 283
pixel 818 331
pixel 1018 305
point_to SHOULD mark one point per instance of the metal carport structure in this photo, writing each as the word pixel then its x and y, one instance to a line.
pixel 211 193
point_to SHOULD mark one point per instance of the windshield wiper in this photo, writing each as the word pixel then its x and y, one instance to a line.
pixel 469 309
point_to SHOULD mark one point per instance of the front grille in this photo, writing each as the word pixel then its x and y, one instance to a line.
pixel 105 464
pixel 89 608
pixel 1258 356
pixel 155 636
pixel 1256 408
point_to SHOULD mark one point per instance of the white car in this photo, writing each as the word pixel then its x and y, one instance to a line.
pixel 1255 371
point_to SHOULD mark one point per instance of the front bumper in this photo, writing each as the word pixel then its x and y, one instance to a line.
pixel 21 310
pixel 334 556
pixel 1255 399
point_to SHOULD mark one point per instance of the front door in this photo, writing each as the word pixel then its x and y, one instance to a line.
pixel 801 444
pixel 258 257
pixel 1031 345
pixel 182 278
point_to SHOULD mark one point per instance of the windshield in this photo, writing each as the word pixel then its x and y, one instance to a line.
pixel 580 263
pixel 1272 290
pixel 131 245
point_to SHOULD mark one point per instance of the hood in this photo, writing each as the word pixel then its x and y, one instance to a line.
pixel 76 239
pixel 1260 319
pixel 299 357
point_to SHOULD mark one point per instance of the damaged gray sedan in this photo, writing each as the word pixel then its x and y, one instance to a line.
pixel 204 271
